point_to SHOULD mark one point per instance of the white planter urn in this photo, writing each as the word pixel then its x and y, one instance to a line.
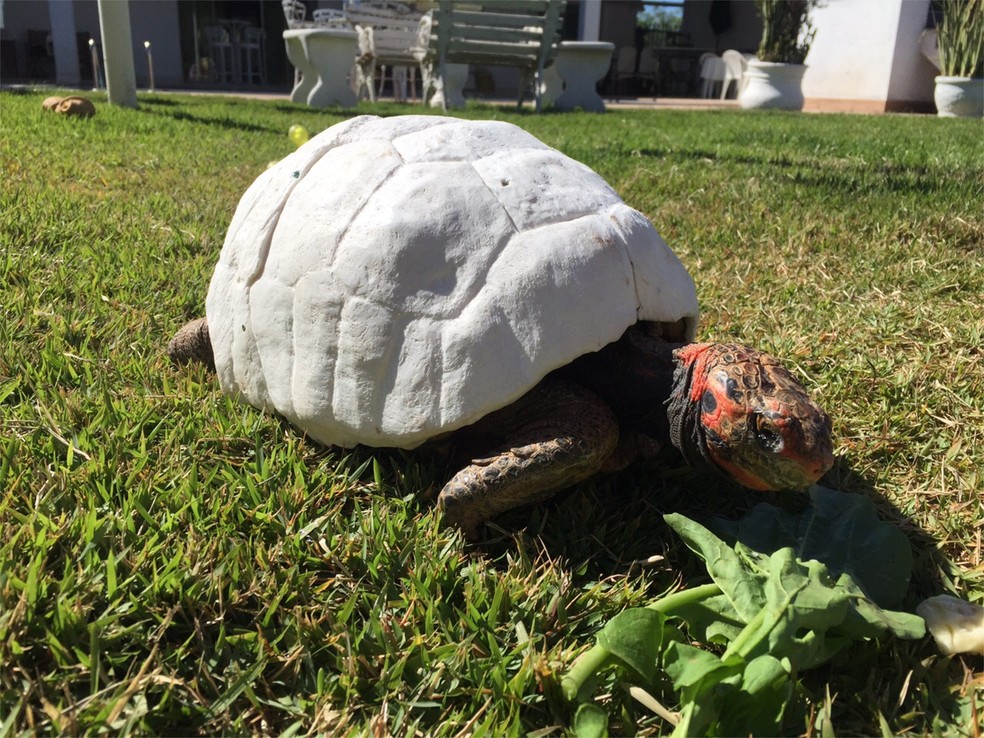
pixel 959 97
pixel 773 85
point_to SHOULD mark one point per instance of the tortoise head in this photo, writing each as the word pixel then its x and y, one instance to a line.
pixel 751 418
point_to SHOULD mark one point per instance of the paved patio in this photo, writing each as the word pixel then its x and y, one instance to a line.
pixel 667 103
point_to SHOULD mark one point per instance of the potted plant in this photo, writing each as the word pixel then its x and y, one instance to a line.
pixel 774 79
pixel 960 39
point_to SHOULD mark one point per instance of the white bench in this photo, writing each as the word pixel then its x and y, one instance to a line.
pixel 388 34
pixel 514 33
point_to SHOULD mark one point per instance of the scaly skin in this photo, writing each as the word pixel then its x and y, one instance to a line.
pixel 757 423
pixel 191 344
pixel 727 406
pixel 554 436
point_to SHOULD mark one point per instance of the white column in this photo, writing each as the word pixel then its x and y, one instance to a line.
pixel 121 80
pixel 591 20
pixel 63 39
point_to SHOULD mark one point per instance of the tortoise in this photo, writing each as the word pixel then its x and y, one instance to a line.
pixel 400 280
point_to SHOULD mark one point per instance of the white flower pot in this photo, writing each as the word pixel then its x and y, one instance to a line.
pixel 959 97
pixel 773 85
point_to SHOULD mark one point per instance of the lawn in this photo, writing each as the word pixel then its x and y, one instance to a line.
pixel 174 563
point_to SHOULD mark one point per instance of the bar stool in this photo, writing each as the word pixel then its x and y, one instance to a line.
pixel 220 53
pixel 251 55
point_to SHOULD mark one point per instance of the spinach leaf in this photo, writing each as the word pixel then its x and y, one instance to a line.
pixel 637 638
pixel 841 530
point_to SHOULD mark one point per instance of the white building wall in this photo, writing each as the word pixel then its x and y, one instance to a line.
pixel 912 73
pixel 156 21
pixel 865 55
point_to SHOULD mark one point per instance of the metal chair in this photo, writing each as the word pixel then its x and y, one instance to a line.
pixel 388 39
pixel 295 13
pixel 251 55
pixel 329 17
pixel 220 53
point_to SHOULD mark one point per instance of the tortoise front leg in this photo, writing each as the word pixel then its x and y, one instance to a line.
pixel 555 436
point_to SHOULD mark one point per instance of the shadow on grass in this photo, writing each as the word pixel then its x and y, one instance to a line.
pixel 211 121
pixel 612 528
pixel 850 178
pixel 160 102
pixel 612 525
pixel 931 569
pixel 298 109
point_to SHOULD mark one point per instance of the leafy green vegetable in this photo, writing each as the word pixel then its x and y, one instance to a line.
pixel 590 721
pixel 786 596
pixel 841 530
pixel 629 637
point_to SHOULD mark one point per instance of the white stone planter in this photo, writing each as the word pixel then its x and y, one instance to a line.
pixel 959 97
pixel 452 87
pixel 773 85
pixel 580 64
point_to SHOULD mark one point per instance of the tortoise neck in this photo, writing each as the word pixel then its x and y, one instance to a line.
pixel 683 407
pixel 635 376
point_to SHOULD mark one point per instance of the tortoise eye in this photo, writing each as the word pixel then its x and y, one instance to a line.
pixel 708 402
pixel 766 434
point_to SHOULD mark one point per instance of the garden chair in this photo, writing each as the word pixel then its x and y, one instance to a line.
pixel 220 52
pixel 328 17
pixel 634 65
pixel 392 43
pixel 518 33
pixel 735 64
pixel 251 55
pixel 625 66
pixel 712 72
pixel 295 12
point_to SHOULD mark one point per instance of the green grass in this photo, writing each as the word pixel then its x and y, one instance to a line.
pixel 174 563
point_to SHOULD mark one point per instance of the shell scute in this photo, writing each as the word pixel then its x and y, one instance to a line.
pixel 424 247
pixel 543 186
pixel 464 141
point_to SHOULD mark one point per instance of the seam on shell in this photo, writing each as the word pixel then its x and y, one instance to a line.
pixel 378 403
pixel 495 196
pixel 265 254
pixel 497 253
pixel 617 225
pixel 351 218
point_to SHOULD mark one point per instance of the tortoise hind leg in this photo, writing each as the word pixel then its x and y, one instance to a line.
pixel 555 436
pixel 192 343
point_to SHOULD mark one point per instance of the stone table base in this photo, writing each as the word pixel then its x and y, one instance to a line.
pixel 324 57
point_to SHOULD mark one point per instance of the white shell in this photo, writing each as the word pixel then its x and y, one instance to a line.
pixel 397 278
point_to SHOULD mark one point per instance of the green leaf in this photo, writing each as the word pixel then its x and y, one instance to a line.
pixel 763 673
pixel 866 620
pixel 714 619
pixel 690 718
pixel 739 578
pixel 590 721
pixel 692 670
pixel 756 704
pixel 843 531
pixel 805 604
pixel 806 589
pixel 636 637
